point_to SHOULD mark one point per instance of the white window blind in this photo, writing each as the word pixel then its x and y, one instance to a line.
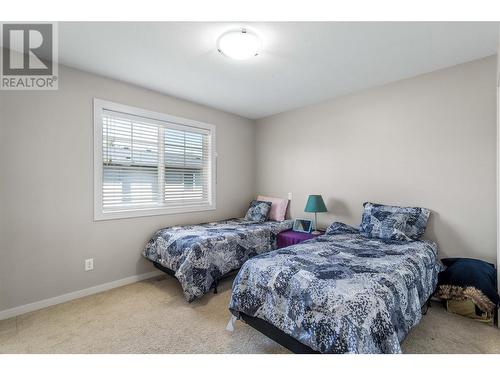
pixel 150 163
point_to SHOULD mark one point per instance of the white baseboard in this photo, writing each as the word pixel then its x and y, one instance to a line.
pixel 9 313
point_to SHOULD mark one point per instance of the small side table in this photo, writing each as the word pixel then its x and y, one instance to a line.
pixel 290 237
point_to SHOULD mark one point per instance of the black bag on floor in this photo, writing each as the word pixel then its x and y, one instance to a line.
pixel 469 280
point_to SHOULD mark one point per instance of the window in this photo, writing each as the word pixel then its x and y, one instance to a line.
pixel 148 163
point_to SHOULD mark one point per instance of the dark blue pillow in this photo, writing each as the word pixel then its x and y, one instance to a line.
pixel 393 222
pixel 258 211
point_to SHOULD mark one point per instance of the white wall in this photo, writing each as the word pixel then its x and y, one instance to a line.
pixel 427 141
pixel 498 165
pixel 46 217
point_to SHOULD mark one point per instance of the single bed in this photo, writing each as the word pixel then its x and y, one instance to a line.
pixel 200 255
pixel 338 293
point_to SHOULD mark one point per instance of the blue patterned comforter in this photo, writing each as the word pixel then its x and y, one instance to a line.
pixel 340 293
pixel 201 254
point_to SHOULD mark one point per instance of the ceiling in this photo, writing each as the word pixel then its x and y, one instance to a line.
pixel 300 64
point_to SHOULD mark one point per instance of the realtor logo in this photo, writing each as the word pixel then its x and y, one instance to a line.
pixel 29 56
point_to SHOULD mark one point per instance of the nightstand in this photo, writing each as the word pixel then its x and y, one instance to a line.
pixel 289 237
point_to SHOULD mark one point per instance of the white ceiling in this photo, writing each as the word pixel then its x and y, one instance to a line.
pixel 301 63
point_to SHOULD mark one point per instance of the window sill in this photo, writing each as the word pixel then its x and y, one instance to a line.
pixel 128 214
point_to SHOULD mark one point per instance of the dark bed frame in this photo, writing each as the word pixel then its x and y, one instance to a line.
pixel 288 341
pixel 277 335
pixel 214 284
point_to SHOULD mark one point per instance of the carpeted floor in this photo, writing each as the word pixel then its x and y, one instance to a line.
pixel 152 317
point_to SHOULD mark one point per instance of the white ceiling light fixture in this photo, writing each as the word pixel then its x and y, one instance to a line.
pixel 239 44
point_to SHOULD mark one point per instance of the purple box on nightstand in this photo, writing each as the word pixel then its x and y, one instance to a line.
pixel 289 237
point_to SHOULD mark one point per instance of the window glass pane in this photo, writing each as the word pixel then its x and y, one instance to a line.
pixel 186 179
pixel 130 163
pixel 153 164
pixel 129 187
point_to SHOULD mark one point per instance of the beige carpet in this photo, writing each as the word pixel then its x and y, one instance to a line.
pixel 152 317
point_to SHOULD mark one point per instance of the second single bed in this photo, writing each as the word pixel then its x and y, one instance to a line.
pixel 338 293
pixel 200 255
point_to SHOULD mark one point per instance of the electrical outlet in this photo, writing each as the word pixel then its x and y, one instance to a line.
pixel 89 264
pixel 289 196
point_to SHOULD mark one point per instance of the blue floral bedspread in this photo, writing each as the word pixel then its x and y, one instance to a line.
pixel 340 293
pixel 201 254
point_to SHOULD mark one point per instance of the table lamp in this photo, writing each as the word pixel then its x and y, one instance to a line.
pixel 315 204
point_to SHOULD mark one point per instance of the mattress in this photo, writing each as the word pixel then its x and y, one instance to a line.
pixel 341 293
pixel 201 254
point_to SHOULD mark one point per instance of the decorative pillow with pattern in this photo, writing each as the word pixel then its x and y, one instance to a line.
pixel 258 211
pixel 393 222
pixel 340 228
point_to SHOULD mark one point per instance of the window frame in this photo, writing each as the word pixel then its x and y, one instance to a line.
pixel 175 122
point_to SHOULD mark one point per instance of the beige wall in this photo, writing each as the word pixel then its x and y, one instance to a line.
pixel 46 192
pixel 427 141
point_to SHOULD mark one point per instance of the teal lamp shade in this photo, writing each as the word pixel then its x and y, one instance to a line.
pixel 315 204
